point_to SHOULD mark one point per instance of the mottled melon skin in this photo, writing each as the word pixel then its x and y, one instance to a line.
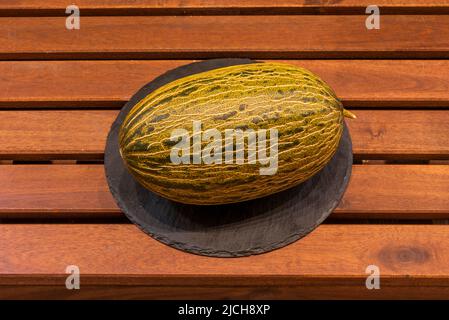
pixel 303 108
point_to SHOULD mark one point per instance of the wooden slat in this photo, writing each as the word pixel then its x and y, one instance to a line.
pixel 370 83
pixel 55 191
pixel 132 7
pixel 396 192
pixel 389 134
pixel 413 259
pixel 81 191
pixel 80 135
pixel 193 37
pixel 54 134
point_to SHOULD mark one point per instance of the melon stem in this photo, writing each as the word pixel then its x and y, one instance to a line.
pixel 349 114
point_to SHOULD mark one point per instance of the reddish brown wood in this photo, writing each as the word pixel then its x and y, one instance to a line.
pixel 54 134
pixel 55 191
pixel 139 7
pixel 410 257
pixel 372 83
pixel 76 83
pixel 396 192
pixel 389 134
pixel 380 134
pixel 119 261
pixel 193 37
pixel 80 191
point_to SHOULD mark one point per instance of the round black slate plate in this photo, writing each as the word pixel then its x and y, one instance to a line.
pixel 231 230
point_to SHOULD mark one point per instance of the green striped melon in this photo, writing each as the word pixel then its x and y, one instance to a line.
pixel 167 137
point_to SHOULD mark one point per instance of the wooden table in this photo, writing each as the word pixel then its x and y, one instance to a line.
pixel 61 89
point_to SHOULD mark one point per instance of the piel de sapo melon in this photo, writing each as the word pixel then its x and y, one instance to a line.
pixel 232 134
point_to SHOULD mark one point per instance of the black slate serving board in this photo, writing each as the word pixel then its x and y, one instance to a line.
pixel 232 230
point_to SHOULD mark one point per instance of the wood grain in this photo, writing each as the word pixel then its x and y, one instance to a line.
pixel 412 257
pixel 197 37
pixel 55 191
pixel 133 7
pixel 411 134
pixel 81 134
pixel 117 260
pixel 396 192
pixel 81 191
pixel 358 83
pixel 54 134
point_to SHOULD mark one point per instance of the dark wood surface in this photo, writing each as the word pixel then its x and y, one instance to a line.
pixel 60 93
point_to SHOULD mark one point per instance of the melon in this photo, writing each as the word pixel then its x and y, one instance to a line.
pixel 232 134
